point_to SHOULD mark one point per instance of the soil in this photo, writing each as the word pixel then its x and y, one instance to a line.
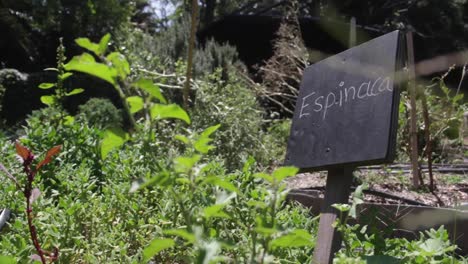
pixel 387 186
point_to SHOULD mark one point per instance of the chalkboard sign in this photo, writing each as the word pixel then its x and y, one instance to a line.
pixel 347 109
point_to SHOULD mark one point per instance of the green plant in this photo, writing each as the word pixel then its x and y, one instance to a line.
pixel 100 113
pixel 114 69
pixel 31 194
pixel 208 204
pixel 233 105
pixel 57 99
pixel 364 244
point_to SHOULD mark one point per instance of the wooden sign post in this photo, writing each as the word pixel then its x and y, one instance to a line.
pixel 346 115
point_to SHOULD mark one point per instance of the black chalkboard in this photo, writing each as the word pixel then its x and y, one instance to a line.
pixel 347 109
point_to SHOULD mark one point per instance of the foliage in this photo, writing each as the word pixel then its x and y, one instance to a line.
pixel 446 110
pixel 33 26
pixel 367 244
pixel 232 105
pixel 60 91
pixel 100 113
pixel 32 194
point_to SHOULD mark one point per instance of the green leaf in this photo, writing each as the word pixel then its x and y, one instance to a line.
pixel 87 44
pixel 284 172
pixel 342 207
pixel 180 233
pixel 207 132
pixel 157 245
pixel 48 99
pixel 120 63
pixel 185 164
pixel 381 259
pixel 7 260
pixel 135 103
pixel 213 180
pixel 46 85
pixel 113 138
pixel 103 43
pixel 75 91
pixel 296 238
pixel 202 143
pixel 159 111
pixel 215 211
pixel 264 176
pixel 65 75
pixel 86 64
pixel 182 138
pixel 151 88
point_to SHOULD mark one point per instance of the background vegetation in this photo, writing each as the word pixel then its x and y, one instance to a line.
pixel 138 178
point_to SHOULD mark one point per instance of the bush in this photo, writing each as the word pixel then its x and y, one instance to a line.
pixel 100 113
pixel 232 105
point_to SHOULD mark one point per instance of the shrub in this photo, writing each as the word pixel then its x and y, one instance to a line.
pixel 232 105
pixel 100 113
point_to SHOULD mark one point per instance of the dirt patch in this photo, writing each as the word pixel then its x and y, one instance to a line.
pixel 387 187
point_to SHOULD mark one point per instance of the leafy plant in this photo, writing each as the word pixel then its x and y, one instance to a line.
pixel 100 113
pixel 114 68
pixel 31 194
pixel 57 99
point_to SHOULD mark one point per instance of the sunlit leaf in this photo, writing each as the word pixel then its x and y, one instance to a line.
pixel 22 151
pixel 202 143
pixel 48 158
pixel 69 120
pixel 113 138
pixel 294 239
pixel 135 103
pixel 185 164
pixel 182 138
pixel 264 176
pixel 284 172
pixel 7 260
pixel 157 245
pixel 48 99
pixel 120 63
pixel 87 44
pixel 66 75
pixel 159 111
pixel 151 88
pixel 103 43
pixel 215 211
pixel 46 85
pixel 75 91
pixel 222 183
pixel 182 233
pixel 86 64
pixel 342 207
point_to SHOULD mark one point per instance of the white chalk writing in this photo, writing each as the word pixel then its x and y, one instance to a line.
pixel 342 95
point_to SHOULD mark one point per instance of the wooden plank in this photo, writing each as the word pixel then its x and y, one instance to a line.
pixel 413 125
pixel 337 191
pixel 346 109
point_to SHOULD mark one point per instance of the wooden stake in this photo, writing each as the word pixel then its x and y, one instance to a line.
pixel 352 33
pixel 336 192
pixel 193 29
pixel 413 125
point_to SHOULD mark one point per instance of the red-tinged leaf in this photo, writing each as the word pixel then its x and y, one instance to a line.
pixel 48 158
pixel 22 151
